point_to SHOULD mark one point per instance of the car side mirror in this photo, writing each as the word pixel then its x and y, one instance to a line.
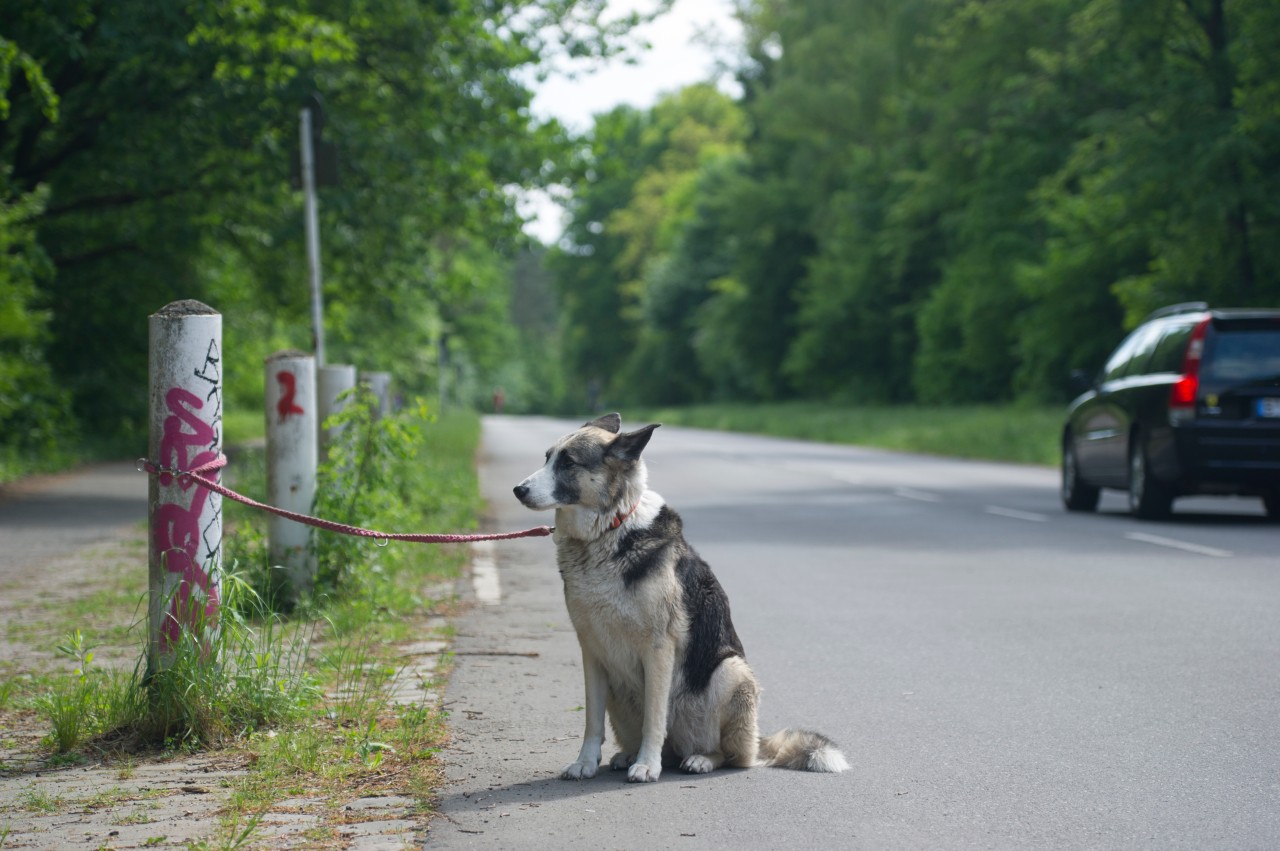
pixel 1080 382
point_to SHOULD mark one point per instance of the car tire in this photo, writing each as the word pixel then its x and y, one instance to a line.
pixel 1149 499
pixel 1077 494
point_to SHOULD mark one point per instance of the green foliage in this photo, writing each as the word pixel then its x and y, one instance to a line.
pixel 937 200
pixel 367 480
pixel 146 154
pixel 228 678
pixel 13 58
pixel 632 273
pixel 91 702
pixel 33 407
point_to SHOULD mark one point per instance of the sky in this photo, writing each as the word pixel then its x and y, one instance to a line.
pixel 677 58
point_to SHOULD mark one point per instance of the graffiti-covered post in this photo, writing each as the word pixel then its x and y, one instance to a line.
pixel 185 519
pixel 332 380
pixel 291 464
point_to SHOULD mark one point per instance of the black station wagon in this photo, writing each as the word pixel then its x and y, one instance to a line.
pixel 1189 403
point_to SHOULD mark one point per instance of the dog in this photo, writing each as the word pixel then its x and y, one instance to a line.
pixel 659 651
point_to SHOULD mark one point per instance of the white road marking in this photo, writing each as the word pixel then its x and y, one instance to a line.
pixel 1016 514
pixel 1178 545
pixel 484 574
pixel 908 493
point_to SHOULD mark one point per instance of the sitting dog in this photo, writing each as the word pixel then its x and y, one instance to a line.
pixel 659 650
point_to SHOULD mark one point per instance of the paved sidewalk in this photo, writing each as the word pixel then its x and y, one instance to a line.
pixel 61 538
pixel 46 518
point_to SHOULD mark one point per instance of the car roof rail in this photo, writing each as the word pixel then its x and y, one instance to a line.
pixel 1174 309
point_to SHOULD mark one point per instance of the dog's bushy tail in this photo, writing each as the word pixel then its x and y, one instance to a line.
pixel 801 750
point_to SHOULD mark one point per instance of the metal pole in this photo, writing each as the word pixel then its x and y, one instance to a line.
pixel 313 234
pixel 331 382
pixel 185 520
pixel 291 465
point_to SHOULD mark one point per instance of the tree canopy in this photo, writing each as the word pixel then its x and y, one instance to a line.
pixel 932 200
pixel 147 154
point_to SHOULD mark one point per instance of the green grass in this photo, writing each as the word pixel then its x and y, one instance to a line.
pixel 1023 434
pixel 38 800
pixel 306 697
pixel 241 425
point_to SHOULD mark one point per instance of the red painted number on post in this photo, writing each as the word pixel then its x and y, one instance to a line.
pixel 288 389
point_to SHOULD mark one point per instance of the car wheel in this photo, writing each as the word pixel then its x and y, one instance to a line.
pixel 1148 498
pixel 1077 494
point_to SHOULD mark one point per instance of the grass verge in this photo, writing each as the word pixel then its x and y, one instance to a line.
pixel 1025 434
pixel 329 702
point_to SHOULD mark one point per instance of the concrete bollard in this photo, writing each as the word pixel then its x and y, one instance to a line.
pixel 291 465
pixel 380 384
pixel 185 520
pixel 331 382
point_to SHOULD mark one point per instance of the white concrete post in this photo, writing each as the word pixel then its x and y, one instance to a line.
pixel 185 520
pixel 380 384
pixel 291 464
pixel 331 382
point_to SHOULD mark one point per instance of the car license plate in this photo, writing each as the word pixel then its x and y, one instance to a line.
pixel 1268 407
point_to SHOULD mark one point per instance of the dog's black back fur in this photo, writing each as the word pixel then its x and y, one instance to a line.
pixel 712 638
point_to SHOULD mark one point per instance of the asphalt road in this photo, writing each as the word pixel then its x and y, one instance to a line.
pixel 50 517
pixel 1000 674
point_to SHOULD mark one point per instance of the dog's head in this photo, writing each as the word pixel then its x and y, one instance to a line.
pixel 597 467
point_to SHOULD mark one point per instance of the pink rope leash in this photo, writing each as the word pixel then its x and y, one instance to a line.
pixel 328 525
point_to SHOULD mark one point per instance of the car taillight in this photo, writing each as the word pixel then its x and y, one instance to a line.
pixel 1182 396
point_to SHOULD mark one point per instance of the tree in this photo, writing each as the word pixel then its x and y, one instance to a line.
pixel 1001 121
pixel 33 407
pixel 596 335
pixel 1169 194
pixel 168 173
pixel 943 200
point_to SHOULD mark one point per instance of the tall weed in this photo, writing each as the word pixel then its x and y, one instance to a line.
pixel 248 672
pixel 92 701
pixel 386 473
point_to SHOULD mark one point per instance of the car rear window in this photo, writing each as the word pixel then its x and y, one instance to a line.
pixel 1243 355
pixel 1171 349
pixel 1130 358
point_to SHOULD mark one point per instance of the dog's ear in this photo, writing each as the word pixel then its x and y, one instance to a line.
pixel 628 447
pixel 611 423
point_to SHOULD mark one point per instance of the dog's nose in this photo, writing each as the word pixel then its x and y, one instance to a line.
pixel 521 491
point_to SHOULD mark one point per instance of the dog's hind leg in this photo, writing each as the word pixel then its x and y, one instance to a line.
pixel 722 730
pixel 739 732
pixel 702 763
pixel 597 687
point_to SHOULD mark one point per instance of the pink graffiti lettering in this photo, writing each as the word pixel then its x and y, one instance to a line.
pixel 177 530
pixel 288 388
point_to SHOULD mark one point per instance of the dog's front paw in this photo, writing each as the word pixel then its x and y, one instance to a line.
pixel 579 771
pixel 698 764
pixel 642 772
pixel 622 761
